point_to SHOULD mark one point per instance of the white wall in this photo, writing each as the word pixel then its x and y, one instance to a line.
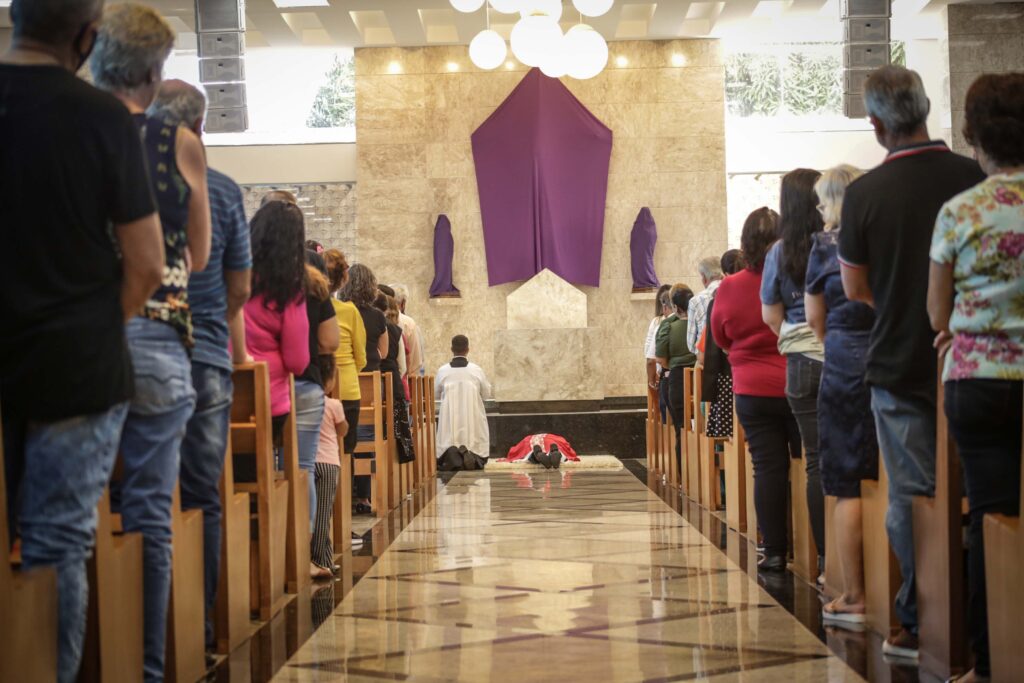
pixel 273 164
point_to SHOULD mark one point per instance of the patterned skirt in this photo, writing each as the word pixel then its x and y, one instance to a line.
pixel 720 414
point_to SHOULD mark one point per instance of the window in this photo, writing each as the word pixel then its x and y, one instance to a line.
pixel 295 96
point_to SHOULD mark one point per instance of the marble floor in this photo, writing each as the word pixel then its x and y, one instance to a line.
pixel 585 575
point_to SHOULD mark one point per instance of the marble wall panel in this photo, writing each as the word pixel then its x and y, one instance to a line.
pixel 668 154
pixel 546 302
pixel 983 38
pixel 547 365
pixel 330 210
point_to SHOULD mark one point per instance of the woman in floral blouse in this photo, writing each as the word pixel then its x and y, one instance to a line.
pixel 976 304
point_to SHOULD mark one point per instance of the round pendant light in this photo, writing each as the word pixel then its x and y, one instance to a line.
pixel 587 52
pixel 593 8
pixel 487 50
pixel 532 37
pixel 467 5
pixel 548 8
pixel 507 6
pixel 555 62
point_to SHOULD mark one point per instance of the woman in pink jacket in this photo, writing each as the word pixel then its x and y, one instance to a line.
pixel 276 325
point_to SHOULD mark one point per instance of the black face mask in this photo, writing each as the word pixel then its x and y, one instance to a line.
pixel 86 33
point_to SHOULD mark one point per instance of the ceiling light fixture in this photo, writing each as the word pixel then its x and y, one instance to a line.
pixel 537 40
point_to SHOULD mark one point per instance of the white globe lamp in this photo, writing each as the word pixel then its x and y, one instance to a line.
pixel 587 52
pixel 487 50
pixel 555 62
pixel 548 8
pixel 506 6
pixel 593 8
pixel 467 5
pixel 532 37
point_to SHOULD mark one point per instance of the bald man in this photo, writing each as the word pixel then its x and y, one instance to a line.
pixel 72 177
pixel 216 296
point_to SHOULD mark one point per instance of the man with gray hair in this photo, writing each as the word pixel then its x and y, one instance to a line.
pixel 216 296
pixel 80 253
pixel 887 221
pixel 412 332
pixel 710 268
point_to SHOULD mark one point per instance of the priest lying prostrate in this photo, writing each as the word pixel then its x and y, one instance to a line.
pixel 462 388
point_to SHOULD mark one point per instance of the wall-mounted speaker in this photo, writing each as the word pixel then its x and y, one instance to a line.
pixel 225 95
pixel 865 8
pixel 220 15
pixel 866 55
pixel 226 120
pixel 231 44
pixel 226 70
pixel 866 30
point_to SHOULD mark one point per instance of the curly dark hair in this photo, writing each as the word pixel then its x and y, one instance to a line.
pixel 760 231
pixel 995 117
pixel 337 268
pixel 278 256
pixel 799 219
pixel 361 288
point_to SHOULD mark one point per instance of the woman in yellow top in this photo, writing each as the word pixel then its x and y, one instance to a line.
pixel 351 353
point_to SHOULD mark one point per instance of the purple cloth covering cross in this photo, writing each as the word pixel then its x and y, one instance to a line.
pixel 444 253
pixel 542 173
pixel 641 250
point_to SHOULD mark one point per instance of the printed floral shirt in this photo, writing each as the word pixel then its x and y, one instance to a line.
pixel 980 233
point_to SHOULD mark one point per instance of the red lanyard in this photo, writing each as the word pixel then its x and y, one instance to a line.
pixel 934 147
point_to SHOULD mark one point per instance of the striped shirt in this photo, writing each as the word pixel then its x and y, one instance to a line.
pixel 229 250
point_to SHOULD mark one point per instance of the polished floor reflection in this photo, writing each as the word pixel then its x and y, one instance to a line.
pixel 585 575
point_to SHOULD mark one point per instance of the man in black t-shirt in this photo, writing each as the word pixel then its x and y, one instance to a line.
pixel 80 252
pixel 887 223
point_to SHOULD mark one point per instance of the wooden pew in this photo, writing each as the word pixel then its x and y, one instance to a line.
pixel 431 417
pixel 372 412
pixel 28 641
pixel 341 523
pixel 734 460
pixel 185 660
pixel 231 616
pixel 651 427
pixel 805 551
pixel 1004 558
pixel 252 439
pixel 881 570
pixel 113 648
pixel 710 472
pixel 939 560
pixel 297 543
pixel 691 440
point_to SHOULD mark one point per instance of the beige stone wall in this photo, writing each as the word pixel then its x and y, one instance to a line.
pixel 415 161
pixel 982 39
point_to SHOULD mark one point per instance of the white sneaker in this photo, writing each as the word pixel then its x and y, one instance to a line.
pixel 357 539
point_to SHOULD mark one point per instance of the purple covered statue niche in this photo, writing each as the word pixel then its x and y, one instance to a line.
pixel 444 253
pixel 542 173
pixel 641 251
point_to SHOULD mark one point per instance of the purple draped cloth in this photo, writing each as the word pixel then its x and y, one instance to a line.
pixel 641 250
pixel 444 253
pixel 542 174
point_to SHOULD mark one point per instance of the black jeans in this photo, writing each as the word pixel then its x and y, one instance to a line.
pixel 803 377
pixel 675 409
pixel 773 438
pixel 985 419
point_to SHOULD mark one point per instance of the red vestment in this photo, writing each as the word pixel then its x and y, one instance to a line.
pixel 524 448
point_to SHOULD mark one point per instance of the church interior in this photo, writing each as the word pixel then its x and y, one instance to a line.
pixel 607 340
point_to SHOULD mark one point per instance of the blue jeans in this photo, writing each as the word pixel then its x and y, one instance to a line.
pixel 309 413
pixel 150 448
pixel 62 468
pixel 202 463
pixel 906 434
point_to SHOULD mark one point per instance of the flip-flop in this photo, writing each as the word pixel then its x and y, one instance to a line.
pixel 828 613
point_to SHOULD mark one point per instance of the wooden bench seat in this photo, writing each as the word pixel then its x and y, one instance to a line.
pixel 232 613
pixel 185 659
pixel 373 412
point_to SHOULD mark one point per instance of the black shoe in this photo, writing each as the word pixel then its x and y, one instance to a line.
pixel 555 456
pixel 772 563
pixel 363 509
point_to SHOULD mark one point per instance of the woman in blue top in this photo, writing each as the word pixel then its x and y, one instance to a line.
pixel 782 308
pixel 848 447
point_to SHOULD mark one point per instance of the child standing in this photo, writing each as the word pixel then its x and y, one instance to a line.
pixel 333 429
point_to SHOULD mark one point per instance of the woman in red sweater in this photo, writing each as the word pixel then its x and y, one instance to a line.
pixel 759 382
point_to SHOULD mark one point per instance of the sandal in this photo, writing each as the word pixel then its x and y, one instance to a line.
pixel 830 612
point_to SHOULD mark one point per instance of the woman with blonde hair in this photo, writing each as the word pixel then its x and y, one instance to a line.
pixel 847 443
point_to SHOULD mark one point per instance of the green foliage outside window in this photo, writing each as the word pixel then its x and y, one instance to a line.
pixel 797 82
pixel 335 103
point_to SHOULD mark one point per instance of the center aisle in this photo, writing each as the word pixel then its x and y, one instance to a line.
pixel 584 575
